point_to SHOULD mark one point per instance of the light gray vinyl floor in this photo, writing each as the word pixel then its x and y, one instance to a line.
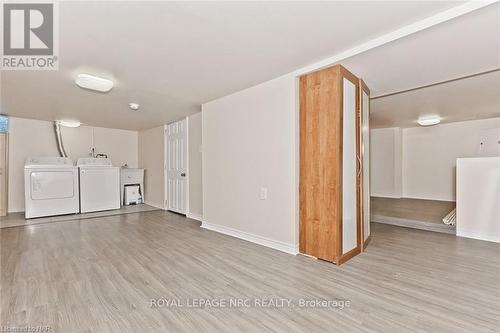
pixel 17 219
pixel 103 274
pixel 431 211
pixel 412 213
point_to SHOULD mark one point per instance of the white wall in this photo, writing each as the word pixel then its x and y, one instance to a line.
pixel 385 162
pixel 36 138
pixel 427 155
pixel 249 143
pixel 430 153
pixel 121 146
pixel 151 158
pixel 195 166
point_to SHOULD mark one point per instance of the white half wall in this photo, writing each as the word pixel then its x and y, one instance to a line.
pixel 249 152
pixel 29 137
pixel 478 198
pixel 385 162
pixel 430 154
pixel 195 167
pixel 151 158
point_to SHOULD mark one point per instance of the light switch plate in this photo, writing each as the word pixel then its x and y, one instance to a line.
pixel 263 193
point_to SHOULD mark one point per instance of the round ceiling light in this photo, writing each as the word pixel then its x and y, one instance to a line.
pixel 429 120
pixel 95 83
pixel 134 106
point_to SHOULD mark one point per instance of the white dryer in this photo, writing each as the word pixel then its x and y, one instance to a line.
pixel 50 187
pixel 99 184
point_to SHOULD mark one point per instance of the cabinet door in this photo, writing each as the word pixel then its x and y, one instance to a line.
pixel 351 229
pixel 320 158
pixel 350 168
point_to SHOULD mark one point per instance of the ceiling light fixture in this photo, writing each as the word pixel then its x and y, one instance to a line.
pixel 133 106
pixel 69 123
pixel 92 82
pixel 429 120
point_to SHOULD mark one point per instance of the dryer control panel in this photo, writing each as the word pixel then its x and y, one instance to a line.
pixel 47 161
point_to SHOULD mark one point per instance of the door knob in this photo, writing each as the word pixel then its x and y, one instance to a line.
pixel 183 174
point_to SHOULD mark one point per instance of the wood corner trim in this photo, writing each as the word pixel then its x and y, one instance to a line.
pixel 349 255
pixel 364 87
pixel 367 241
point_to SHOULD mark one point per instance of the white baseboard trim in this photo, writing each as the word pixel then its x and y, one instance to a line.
pixel 194 216
pixel 408 223
pixel 277 245
pixel 382 195
pixel 478 236
pixel 428 198
pixel 155 205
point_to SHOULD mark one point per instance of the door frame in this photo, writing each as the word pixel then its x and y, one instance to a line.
pixel 365 159
pixel 4 197
pixel 343 257
pixel 165 164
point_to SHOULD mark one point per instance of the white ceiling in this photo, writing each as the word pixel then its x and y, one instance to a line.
pixel 170 57
pixel 463 46
pixel 466 45
pixel 477 97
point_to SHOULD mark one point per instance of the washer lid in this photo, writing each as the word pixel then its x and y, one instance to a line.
pixel 91 161
pixel 48 162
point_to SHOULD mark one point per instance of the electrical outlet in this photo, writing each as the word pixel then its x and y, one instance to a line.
pixel 263 193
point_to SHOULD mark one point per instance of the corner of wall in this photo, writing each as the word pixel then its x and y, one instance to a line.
pixel 398 162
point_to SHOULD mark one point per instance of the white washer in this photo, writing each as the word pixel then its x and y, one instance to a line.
pixel 50 187
pixel 99 185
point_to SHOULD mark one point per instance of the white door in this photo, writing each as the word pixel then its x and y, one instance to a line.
pixel 176 166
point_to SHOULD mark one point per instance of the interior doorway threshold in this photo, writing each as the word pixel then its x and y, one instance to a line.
pixel 414 224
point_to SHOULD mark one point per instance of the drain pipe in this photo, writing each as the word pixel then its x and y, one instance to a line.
pixel 60 146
